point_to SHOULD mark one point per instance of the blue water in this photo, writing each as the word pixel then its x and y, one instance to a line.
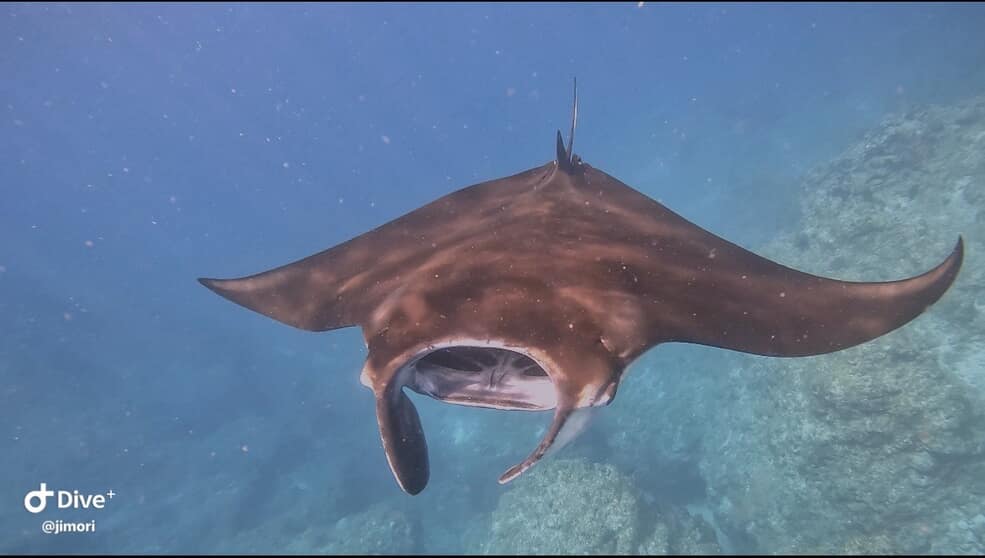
pixel 143 146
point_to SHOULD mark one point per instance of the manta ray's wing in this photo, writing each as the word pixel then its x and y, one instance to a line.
pixel 696 287
pixel 306 294
pixel 340 286
pixel 789 313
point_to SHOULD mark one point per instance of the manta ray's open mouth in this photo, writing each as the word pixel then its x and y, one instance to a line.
pixel 481 376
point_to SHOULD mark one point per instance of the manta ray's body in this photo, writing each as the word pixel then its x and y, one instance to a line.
pixel 537 290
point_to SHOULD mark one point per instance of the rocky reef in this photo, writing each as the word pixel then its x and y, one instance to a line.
pixel 377 530
pixel 573 506
pixel 380 529
pixel 879 448
pixel 566 507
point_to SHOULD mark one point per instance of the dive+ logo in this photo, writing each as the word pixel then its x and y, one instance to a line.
pixel 36 501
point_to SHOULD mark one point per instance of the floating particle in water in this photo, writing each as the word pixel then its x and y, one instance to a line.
pixel 89 244
pixel 386 139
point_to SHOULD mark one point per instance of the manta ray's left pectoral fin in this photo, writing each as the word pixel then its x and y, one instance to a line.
pixel 568 423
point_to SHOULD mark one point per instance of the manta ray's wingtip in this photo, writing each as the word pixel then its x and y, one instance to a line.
pixel 952 265
pixel 212 284
pixel 957 256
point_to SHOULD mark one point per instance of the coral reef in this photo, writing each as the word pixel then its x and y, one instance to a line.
pixel 879 448
pixel 566 507
pixel 572 506
pixel 378 530
pixel 676 532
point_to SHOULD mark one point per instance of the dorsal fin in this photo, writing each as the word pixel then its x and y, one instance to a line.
pixel 565 156
pixel 562 156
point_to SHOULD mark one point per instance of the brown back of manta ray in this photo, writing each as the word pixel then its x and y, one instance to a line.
pixel 535 292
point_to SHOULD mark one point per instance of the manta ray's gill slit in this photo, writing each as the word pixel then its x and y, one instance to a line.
pixel 464 359
pixel 484 376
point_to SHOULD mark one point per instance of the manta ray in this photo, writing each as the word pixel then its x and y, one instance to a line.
pixel 536 292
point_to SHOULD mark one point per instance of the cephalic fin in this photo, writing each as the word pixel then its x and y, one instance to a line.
pixel 403 439
pixel 568 423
